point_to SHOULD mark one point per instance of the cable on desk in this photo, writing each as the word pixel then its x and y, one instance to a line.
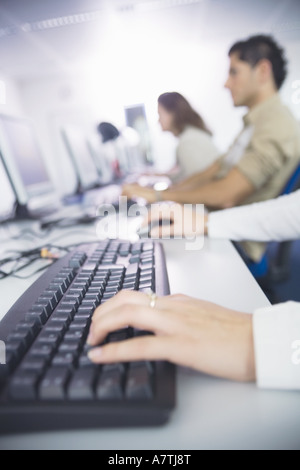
pixel 27 258
pixel 23 259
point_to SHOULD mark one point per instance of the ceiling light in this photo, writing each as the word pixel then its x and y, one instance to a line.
pixel 80 18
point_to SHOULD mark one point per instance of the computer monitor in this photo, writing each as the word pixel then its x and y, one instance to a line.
pixel 98 153
pixel 23 160
pixel 8 199
pixel 136 118
pixel 84 165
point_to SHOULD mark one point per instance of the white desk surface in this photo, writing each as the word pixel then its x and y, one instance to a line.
pixel 211 413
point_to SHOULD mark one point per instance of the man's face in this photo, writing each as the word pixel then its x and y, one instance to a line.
pixel 243 82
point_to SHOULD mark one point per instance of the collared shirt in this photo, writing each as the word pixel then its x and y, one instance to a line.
pixel 269 158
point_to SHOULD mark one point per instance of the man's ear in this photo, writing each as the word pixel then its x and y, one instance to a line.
pixel 265 70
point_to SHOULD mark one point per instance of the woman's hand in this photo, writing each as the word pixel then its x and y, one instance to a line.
pixel 187 332
pixel 178 221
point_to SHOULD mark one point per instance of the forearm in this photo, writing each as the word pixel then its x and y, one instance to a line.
pixel 198 179
pixel 275 220
pixel 217 194
pixel 192 196
pixel 213 195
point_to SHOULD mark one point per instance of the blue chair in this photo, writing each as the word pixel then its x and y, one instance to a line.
pixel 274 265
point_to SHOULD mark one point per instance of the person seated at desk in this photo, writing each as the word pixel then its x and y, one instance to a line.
pixel 266 152
pixel 195 151
pixel 210 338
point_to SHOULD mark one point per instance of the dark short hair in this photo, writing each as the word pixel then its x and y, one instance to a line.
pixel 184 114
pixel 260 47
pixel 108 131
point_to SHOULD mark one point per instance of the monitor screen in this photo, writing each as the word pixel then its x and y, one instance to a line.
pixel 97 150
pixel 22 158
pixel 7 199
pixel 77 147
pixel 136 118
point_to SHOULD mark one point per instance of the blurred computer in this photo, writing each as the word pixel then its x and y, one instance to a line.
pixel 101 158
pixel 8 199
pixel 93 189
pixel 76 145
pixel 136 118
pixel 23 161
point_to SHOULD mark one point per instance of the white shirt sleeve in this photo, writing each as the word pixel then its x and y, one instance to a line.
pixel 277 346
pixel 274 220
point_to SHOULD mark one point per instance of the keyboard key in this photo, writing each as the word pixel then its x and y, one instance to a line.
pixel 81 386
pixel 23 386
pixel 43 310
pixel 66 359
pixel 23 337
pixel 32 364
pixel 53 386
pixel 15 349
pixel 148 246
pixel 69 347
pixel 132 269
pixel 139 384
pixel 42 351
pixel 85 362
pixel 110 385
pixel 136 248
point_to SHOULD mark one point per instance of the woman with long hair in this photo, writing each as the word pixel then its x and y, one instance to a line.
pixel 196 150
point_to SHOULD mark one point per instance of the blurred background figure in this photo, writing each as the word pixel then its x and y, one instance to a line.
pixel 196 150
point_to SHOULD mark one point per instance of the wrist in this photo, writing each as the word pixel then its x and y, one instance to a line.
pixel 206 217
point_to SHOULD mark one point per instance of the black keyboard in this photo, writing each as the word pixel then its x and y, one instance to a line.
pixel 48 382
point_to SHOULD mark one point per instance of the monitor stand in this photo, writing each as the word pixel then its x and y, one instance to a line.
pixel 22 212
pixel 18 214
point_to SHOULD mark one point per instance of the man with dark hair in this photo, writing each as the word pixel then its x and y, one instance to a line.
pixel 262 47
pixel 266 152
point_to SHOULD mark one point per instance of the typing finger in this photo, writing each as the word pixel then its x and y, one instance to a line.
pixel 136 349
pixel 136 316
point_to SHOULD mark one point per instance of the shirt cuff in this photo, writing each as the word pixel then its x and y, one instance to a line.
pixel 276 332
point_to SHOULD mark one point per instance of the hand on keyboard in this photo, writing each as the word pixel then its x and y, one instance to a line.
pixel 189 332
pixel 48 380
pixel 168 219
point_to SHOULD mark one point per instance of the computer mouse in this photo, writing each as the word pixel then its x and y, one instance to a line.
pixel 145 232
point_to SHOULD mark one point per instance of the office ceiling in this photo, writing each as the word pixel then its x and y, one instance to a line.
pixel 40 37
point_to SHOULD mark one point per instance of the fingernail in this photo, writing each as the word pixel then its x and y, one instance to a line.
pixel 95 354
pixel 90 339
